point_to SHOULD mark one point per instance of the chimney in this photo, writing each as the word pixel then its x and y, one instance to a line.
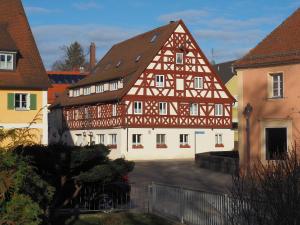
pixel 92 55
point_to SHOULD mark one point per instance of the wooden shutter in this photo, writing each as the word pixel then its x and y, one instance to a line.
pixel 10 101
pixel 33 102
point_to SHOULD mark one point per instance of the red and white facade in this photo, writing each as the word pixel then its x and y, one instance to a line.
pixel 177 107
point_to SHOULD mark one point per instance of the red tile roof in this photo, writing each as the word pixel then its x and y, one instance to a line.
pixel 129 69
pixel 15 32
pixel 281 46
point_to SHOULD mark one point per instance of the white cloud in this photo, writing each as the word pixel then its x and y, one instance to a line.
pixel 34 9
pixel 191 15
pixel 86 5
pixel 51 37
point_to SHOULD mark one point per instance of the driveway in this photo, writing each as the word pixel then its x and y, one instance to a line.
pixel 179 173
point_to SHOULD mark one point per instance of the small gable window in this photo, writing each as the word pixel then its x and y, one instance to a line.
pixel 179 58
pixel 6 61
pixel 198 82
pixel 160 81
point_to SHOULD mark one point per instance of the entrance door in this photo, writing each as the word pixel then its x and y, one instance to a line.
pixel 276 143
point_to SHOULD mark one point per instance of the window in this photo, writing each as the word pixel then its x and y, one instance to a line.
pixel 114 110
pixel 113 139
pixel 86 113
pixel 22 102
pixel 136 139
pixel 276 143
pixel 113 86
pixel 76 92
pixel 160 139
pixel 198 82
pixel 138 108
pixel 219 140
pixel 163 108
pixel 184 139
pixel 218 110
pixel 179 58
pixel 99 114
pixel 194 109
pixel 277 84
pixel 87 91
pixel 99 88
pixel 160 81
pixel 100 138
pixel 6 61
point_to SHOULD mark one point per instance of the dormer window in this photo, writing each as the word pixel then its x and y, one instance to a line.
pixel 99 88
pixel 76 92
pixel 6 61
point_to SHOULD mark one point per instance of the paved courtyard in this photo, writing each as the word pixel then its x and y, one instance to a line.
pixel 179 173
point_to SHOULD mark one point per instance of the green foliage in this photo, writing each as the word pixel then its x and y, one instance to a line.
pixel 73 58
pixel 21 210
pixel 22 190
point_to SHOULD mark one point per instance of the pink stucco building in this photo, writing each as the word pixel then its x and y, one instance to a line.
pixel 269 80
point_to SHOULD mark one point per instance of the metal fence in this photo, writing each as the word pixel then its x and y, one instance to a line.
pixel 188 206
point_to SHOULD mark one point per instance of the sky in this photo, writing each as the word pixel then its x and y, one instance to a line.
pixel 224 29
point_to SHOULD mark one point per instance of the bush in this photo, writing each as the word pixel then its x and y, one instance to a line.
pixel 268 195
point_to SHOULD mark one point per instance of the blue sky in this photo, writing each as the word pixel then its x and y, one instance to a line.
pixel 229 27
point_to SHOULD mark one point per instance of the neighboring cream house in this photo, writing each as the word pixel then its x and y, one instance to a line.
pixel 268 80
pixel 154 96
pixel 228 75
pixel 23 79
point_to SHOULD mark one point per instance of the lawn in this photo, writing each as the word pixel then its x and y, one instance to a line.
pixel 117 219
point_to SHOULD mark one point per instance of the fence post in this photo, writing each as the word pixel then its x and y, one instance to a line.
pixel 181 204
pixel 150 194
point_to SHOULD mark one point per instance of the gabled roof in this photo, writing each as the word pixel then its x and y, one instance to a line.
pixel 225 70
pixel 120 62
pixel 15 34
pixel 281 46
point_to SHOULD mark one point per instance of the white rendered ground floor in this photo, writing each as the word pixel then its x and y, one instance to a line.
pixel 157 143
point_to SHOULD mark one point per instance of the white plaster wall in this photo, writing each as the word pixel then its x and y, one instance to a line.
pixel 205 141
pixel 202 142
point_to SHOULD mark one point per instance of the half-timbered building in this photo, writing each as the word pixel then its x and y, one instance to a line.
pixel 154 96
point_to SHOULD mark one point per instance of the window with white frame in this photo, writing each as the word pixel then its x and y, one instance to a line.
pixel 179 58
pixel 218 139
pixel 163 109
pixel 113 139
pixel 136 139
pixel 22 101
pixel 99 88
pixel 6 61
pixel 101 139
pixel 198 82
pixel 159 80
pixel 99 113
pixel 114 110
pixel 277 85
pixel 218 110
pixel 76 92
pixel 113 86
pixel 160 139
pixel 86 113
pixel 138 108
pixel 194 109
pixel 86 90
pixel 184 139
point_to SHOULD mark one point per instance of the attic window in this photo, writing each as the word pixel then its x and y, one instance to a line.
pixel 6 61
pixel 119 64
pixel 153 39
pixel 138 58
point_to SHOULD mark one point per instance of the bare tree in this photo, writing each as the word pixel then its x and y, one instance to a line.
pixel 268 195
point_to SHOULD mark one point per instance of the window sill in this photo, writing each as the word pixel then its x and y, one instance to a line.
pixel 185 146
pixel 161 146
pixel 20 109
pixel 276 98
pixel 219 145
pixel 112 146
pixel 137 146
